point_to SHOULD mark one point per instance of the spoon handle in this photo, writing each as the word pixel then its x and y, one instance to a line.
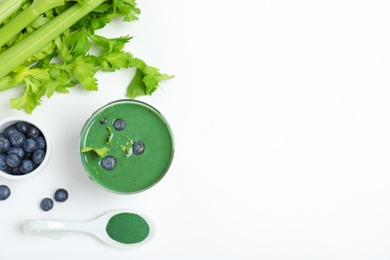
pixel 55 228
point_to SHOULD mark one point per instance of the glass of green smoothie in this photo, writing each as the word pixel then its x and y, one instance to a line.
pixel 126 146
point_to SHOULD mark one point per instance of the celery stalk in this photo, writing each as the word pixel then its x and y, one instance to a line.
pixel 8 8
pixel 32 44
pixel 8 83
pixel 15 25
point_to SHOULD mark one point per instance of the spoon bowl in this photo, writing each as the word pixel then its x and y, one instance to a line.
pixel 98 227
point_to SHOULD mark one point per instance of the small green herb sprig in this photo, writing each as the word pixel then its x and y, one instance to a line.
pixel 101 152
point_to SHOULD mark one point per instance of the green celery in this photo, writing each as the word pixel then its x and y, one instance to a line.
pixel 63 35
pixel 8 82
pixel 8 8
pixel 37 40
pixel 23 19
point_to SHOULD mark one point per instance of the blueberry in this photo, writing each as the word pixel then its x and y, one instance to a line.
pixel 33 132
pixel 5 192
pixel 47 204
pixel 17 139
pixel 22 126
pixel 41 142
pixel 8 170
pixel 119 124
pixel 13 160
pixel 61 195
pixel 38 156
pixel 138 148
pixel 30 145
pixel 18 150
pixel 5 144
pixel 9 130
pixel 26 166
pixel 108 163
pixel 16 171
pixel 3 164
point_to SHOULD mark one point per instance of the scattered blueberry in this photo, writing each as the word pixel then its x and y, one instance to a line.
pixel 61 195
pixel 13 160
pixel 4 144
pixel 119 124
pixel 26 166
pixel 5 192
pixel 17 139
pixel 108 163
pixel 47 204
pixel 138 148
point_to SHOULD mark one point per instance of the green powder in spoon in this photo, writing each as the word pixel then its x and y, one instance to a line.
pixel 127 228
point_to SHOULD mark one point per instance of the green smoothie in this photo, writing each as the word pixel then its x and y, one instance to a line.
pixel 126 146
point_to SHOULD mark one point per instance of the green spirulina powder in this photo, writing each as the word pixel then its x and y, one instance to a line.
pixel 127 228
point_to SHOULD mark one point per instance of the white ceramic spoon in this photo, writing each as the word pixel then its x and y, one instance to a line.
pixel 56 228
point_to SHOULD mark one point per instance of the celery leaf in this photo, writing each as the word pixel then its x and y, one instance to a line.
pixel 151 77
pixel 28 101
pixel 101 152
pixel 83 71
pixel 79 41
pixel 137 87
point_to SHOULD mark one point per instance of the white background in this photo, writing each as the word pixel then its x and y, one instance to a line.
pixel 281 116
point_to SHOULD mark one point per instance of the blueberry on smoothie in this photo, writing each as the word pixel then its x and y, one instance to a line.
pixel 138 148
pixel 5 192
pixel 61 195
pixel 17 139
pixel 47 204
pixel 108 163
pixel 119 124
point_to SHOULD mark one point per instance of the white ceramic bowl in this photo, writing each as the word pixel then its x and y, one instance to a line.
pixel 4 123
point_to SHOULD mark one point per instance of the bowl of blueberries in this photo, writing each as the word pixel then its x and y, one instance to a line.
pixel 24 148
